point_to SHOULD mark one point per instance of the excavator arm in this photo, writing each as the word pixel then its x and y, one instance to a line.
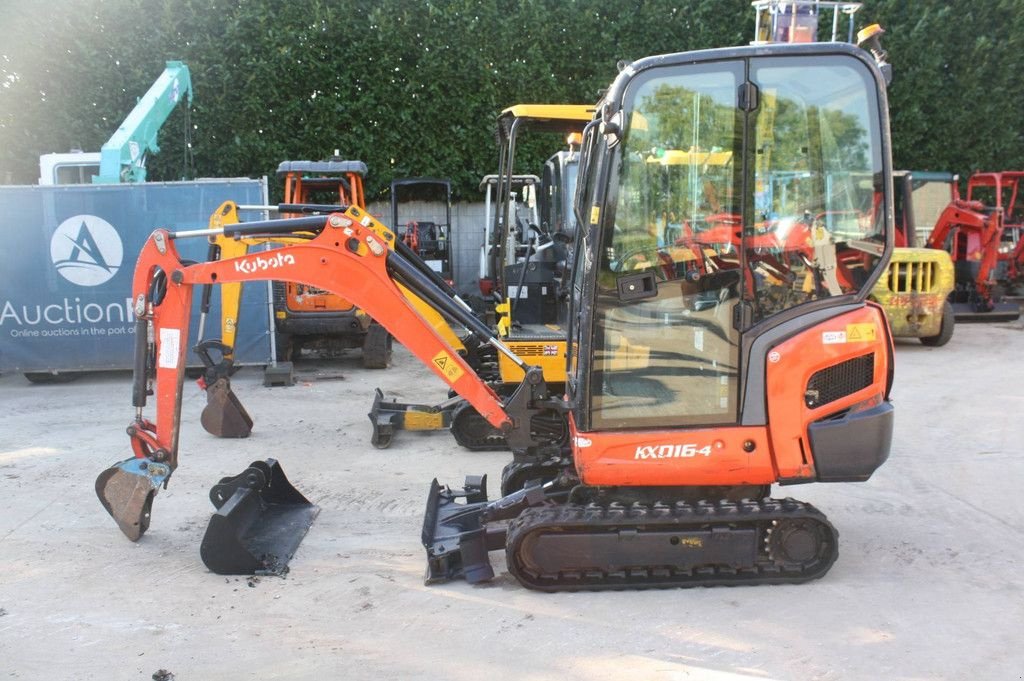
pixel 342 253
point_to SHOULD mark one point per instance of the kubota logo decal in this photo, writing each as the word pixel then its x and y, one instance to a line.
pixel 86 250
pixel 259 263
pixel 687 451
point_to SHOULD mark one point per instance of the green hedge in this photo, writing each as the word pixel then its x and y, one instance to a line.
pixel 413 88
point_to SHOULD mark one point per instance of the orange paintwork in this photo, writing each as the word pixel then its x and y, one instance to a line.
pixel 620 458
pixel 805 354
pixel 718 455
pixel 305 299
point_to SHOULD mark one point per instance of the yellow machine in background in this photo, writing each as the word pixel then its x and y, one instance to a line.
pixel 528 261
pixel 914 290
pixel 522 269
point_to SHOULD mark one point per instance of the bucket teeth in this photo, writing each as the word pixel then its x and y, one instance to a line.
pixel 224 415
pixel 127 490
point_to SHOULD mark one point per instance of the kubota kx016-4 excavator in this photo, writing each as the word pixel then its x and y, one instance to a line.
pixel 700 372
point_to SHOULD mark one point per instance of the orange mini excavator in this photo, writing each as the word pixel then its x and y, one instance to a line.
pixel 705 364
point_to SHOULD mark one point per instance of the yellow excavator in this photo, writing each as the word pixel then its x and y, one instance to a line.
pixel 524 268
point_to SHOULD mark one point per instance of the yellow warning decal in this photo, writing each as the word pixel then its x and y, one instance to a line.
pixel 595 214
pixel 448 367
pixel 860 333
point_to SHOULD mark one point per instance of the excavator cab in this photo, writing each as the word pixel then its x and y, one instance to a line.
pixel 720 337
pixel 722 199
pixel 429 232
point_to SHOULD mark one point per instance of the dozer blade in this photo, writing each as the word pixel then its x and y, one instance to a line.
pixel 1000 312
pixel 127 489
pixel 457 536
pixel 260 521
pixel 389 416
pixel 224 415
pixel 454 534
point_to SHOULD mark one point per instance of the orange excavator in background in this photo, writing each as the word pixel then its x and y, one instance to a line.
pixel 700 372
pixel 972 234
pixel 311 317
pixel 1002 191
pixel 301 314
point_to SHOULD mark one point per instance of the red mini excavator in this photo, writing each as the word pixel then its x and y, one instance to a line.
pixel 973 234
pixel 703 368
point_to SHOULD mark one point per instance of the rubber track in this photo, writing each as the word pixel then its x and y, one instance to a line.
pixel 473 432
pixel 593 518
pixel 486 438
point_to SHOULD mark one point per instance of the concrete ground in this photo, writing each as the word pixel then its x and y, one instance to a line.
pixel 927 586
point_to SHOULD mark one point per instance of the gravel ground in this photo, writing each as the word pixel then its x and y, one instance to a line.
pixel 927 586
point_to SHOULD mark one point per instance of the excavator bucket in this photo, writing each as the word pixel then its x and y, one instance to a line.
pixel 260 521
pixel 224 415
pixel 127 489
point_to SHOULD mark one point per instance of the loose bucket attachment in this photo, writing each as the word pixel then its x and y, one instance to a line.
pixel 260 522
pixel 224 415
pixel 126 490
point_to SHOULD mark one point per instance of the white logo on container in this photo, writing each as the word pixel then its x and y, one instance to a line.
pixel 86 250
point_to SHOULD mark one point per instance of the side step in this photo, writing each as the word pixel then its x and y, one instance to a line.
pixel 260 521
